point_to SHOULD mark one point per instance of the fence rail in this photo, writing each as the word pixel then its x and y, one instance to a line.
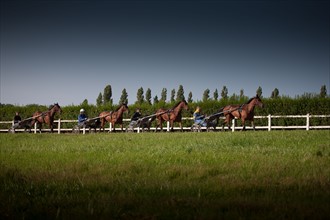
pixel 268 127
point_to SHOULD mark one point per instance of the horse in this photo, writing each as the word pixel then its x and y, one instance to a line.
pixel 172 115
pixel 46 117
pixel 244 112
pixel 115 117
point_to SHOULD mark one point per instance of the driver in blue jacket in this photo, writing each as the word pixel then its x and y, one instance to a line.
pixel 82 118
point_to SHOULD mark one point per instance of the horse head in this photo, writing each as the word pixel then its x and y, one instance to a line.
pixel 184 104
pixel 58 108
pixel 124 107
pixel 258 102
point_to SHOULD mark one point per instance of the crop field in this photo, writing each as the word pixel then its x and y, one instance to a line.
pixel 215 175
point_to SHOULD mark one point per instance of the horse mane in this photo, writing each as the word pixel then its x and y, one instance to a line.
pixel 250 100
pixel 178 103
pixel 120 106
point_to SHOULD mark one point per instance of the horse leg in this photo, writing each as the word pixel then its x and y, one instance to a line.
pixel 243 123
pixel 172 125
pixel 253 126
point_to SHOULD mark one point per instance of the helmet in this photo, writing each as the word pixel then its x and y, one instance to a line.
pixel 82 110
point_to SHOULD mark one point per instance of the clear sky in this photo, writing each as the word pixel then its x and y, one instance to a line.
pixel 68 51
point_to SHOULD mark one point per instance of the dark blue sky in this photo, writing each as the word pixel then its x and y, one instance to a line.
pixel 66 51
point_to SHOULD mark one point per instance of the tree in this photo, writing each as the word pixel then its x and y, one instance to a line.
pixel 259 91
pixel 275 93
pixel 85 102
pixel 123 97
pixel 180 94
pixel 241 93
pixel 139 96
pixel 107 94
pixel 164 95
pixel 156 99
pixel 190 100
pixel 206 95
pixel 172 95
pixel 148 96
pixel 323 92
pixel 216 95
pixel 224 93
pixel 99 101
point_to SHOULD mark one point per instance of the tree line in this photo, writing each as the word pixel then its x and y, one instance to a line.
pixel 142 96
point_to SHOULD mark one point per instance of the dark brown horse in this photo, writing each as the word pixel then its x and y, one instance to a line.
pixel 115 117
pixel 245 112
pixel 46 117
pixel 172 115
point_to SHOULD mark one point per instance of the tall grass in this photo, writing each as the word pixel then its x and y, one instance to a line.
pixel 257 175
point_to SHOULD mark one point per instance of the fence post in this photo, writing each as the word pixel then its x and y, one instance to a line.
pixel 233 125
pixel 269 122
pixel 59 126
pixel 110 126
pixel 35 127
pixel 168 125
pixel 84 129
pixel 138 129
pixel 307 122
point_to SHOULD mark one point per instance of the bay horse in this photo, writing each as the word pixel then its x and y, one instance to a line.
pixel 172 115
pixel 46 117
pixel 115 117
pixel 244 112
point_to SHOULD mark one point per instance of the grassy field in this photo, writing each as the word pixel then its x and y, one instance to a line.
pixel 216 175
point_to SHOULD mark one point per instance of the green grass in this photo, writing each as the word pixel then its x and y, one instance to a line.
pixel 250 175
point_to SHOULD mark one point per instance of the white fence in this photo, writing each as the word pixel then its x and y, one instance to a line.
pixel 268 127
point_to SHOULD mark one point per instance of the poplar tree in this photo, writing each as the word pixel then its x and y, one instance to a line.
pixel 216 95
pixel 190 100
pixel 259 91
pixel 107 95
pixel 180 94
pixel 172 95
pixel 99 101
pixel 164 95
pixel 275 93
pixel 224 93
pixel 156 99
pixel 323 92
pixel 241 93
pixel 139 96
pixel 206 95
pixel 123 97
pixel 148 96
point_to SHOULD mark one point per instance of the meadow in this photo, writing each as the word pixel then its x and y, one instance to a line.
pixel 215 175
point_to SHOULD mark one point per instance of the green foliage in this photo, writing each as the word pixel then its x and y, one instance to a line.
pixel 163 95
pixel 224 93
pixel 216 95
pixel 190 99
pixel 99 100
pixel 301 105
pixel 107 95
pixel 180 94
pixel 259 91
pixel 148 96
pixel 206 95
pixel 140 96
pixel 173 95
pixel 123 97
pixel 323 92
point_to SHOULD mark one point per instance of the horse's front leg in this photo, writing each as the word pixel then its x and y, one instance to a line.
pixel 243 123
pixel 180 124
pixel 253 125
